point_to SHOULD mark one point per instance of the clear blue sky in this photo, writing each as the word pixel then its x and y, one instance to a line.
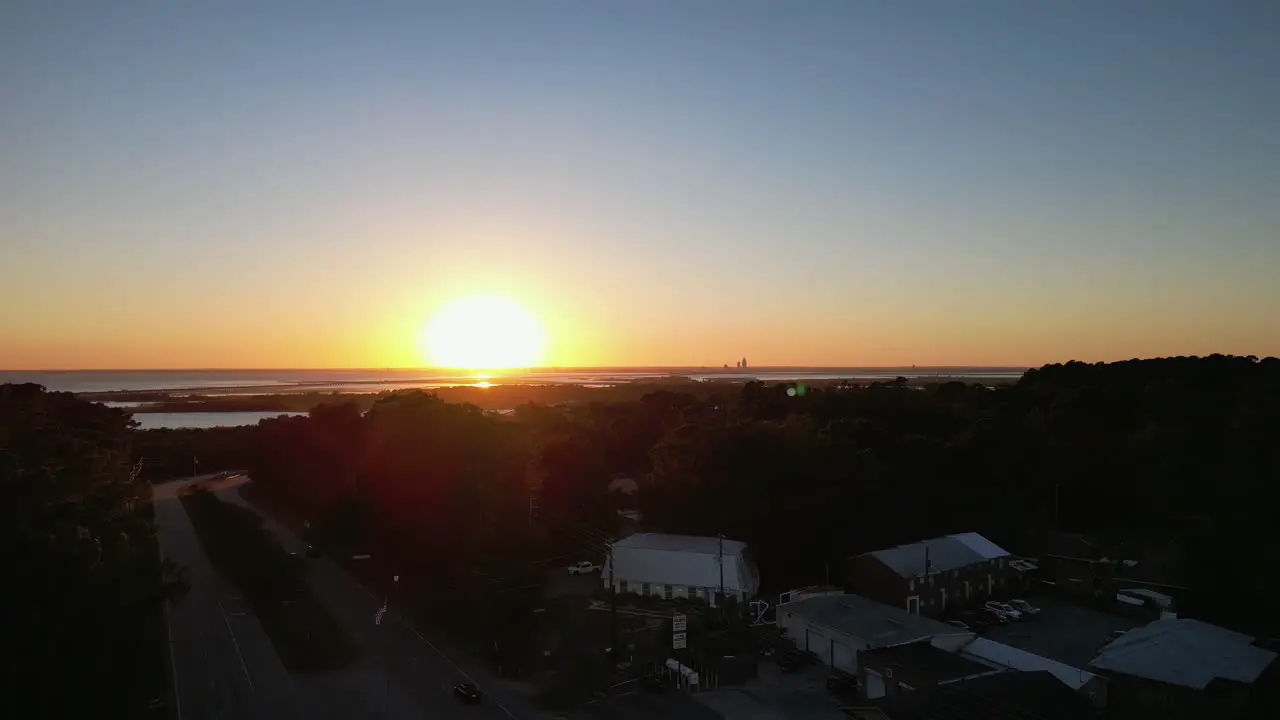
pixel 660 182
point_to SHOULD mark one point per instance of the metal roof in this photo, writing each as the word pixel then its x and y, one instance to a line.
pixel 1000 696
pixel 681 543
pixel 927 662
pixel 877 624
pixel 1185 652
pixel 944 553
pixel 1011 657
pixel 979 544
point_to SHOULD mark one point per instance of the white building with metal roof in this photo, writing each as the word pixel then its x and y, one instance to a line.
pixel 681 566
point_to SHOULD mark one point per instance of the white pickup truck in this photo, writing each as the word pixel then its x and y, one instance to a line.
pixel 583 568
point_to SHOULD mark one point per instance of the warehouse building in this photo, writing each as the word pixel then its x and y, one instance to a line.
pixel 682 566
pixel 839 627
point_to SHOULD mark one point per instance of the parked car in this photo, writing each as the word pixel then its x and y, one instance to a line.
pixel 585 567
pixel 960 624
pixel 1004 609
pixel 467 693
pixel 1024 607
pixel 993 617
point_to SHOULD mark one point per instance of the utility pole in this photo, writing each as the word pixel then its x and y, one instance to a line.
pixel 1057 507
pixel 720 562
pixel 613 606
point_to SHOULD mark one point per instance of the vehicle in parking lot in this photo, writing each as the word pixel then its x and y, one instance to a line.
pixel 583 568
pixel 1024 607
pixel 994 617
pixel 1004 609
pixel 960 624
pixel 467 693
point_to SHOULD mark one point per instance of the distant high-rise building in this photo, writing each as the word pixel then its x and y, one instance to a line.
pixel 744 364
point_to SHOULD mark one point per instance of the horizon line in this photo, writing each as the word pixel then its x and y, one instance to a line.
pixel 538 369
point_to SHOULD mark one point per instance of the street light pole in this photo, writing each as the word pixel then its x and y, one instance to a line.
pixel 386 669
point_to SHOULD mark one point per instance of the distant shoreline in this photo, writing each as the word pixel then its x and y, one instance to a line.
pixel 628 369
pixel 248 388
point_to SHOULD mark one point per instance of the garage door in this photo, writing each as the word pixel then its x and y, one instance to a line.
pixel 817 643
pixel 842 657
pixel 875 685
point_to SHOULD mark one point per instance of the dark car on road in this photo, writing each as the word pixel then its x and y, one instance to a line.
pixel 467 693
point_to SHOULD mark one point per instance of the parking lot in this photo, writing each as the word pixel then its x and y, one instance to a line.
pixel 560 583
pixel 1069 633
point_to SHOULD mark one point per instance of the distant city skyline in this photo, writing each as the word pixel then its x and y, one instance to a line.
pixel 667 183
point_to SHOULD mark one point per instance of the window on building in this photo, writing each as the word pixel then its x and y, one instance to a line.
pixel 911 586
pixel 666 592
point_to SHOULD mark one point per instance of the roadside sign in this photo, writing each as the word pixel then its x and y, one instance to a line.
pixel 678 623
pixel 679 641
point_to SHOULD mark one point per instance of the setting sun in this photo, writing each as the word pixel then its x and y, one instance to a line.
pixel 484 333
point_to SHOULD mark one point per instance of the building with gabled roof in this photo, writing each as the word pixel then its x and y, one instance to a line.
pixel 928 576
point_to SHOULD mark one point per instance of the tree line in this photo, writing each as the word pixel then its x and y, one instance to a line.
pixel 1177 452
pixel 80 615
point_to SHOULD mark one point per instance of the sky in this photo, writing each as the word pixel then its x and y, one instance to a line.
pixel 658 182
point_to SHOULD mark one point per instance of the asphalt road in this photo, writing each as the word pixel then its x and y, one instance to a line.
pixel 410 672
pixel 224 665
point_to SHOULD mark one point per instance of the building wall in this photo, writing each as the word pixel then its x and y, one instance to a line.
pixel 680 574
pixel 896 677
pixel 870 578
pixel 1128 695
pixel 934 594
pixel 834 648
pixel 670 592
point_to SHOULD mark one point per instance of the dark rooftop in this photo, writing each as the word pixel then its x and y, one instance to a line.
pixel 1003 696
pixel 928 662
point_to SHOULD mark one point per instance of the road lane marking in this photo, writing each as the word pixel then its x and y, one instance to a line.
pixel 173 663
pixel 243 667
